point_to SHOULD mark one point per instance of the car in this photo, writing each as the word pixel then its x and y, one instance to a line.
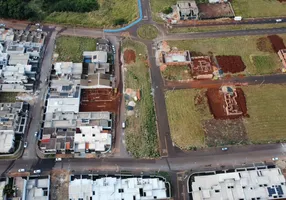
pixel 21 170
pixel 39 30
pixel 275 159
pixel 58 159
pixel 2 25
pixel 37 171
pixel 224 148
pixel 278 20
pixel 123 125
pixel 36 133
pixel 25 144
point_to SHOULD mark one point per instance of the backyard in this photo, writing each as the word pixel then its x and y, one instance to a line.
pixel 141 130
pixel 244 46
pixel 8 97
pixel 70 49
pixel 259 8
pixel 110 13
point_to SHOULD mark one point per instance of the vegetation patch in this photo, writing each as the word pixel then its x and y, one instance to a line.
pixel 258 8
pixel 263 64
pixel 70 49
pixel 267 112
pixel 176 73
pixel 7 97
pixel 147 31
pixel 141 130
pixel 187 109
pixel 244 46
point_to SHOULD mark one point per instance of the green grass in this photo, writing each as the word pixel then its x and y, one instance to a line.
pixel 265 104
pixel 158 6
pixel 147 31
pixel 185 118
pixel 141 130
pixel 175 73
pixel 244 46
pixel 258 8
pixel 109 12
pixel 7 97
pixel 70 49
pixel 264 64
pixel 225 28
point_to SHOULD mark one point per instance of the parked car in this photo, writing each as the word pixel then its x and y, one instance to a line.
pixel 36 133
pixel 275 159
pixel 25 144
pixel 224 149
pixel 38 171
pixel 21 170
pixel 37 24
pixel 58 159
pixel 123 125
pixel 39 30
pixel 2 25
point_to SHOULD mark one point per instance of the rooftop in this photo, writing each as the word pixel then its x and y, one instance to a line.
pixel 96 56
pixel 254 184
pixel 63 105
pixel 116 188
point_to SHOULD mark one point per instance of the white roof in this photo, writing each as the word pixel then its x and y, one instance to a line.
pixel 63 105
pixel 6 141
pixel 93 136
pixel 262 183
pixel 96 56
pixel 68 68
pixel 111 188
pixel 2 185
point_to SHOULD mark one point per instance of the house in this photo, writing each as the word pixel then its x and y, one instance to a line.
pixel 95 56
pixel 187 10
pixel 176 58
pixel 282 56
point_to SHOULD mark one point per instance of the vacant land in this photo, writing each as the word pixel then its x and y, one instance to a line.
pixel 60 184
pixel 70 49
pixel 159 6
pixel 213 11
pixel 225 28
pixel 110 13
pixel 147 31
pixel 262 64
pixel 6 97
pixel 176 73
pixel 258 8
pixel 267 112
pixel 245 46
pixel 141 130
pixel 186 111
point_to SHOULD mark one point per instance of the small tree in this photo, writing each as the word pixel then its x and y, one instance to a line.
pixel 167 10
pixel 8 190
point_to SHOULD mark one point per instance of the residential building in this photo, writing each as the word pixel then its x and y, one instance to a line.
pixel 6 35
pixel 93 68
pixel 32 188
pixel 187 10
pixel 95 56
pixel 97 81
pixel 2 186
pixel 15 59
pixel 176 58
pixel 119 188
pixel 254 183
pixel 18 74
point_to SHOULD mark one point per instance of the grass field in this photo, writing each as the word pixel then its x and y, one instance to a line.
pixel 185 117
pixel 267 112
pixel 175 73
pixel 262 64
pixel 158 6
pixel 244 46
pixel 6 97
pixel 258 8
pixel 141 130
pixel 147 31
pixel 110 13
pixel 225 28
pixel 71 48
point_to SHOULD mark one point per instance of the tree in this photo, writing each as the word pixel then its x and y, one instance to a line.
pixel 8 190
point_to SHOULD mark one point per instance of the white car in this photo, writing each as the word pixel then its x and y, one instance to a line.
pixel 275 159
pixel 36 133
pixel 39 30
pixel 123 125
pixel 38 171
pixel 224 149
pixel 21 170
pixel 25 144
pixel 58 159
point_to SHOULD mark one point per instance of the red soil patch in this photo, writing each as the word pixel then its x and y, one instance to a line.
pixel 217 103
pixel 231 64
pixel 277 42
pixel 129 56
pixel 100 99
pixel 282 1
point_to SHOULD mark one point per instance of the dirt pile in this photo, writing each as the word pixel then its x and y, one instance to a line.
pixel 277 42
pixel 129 56
pixel 231 64
pixel 264 44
